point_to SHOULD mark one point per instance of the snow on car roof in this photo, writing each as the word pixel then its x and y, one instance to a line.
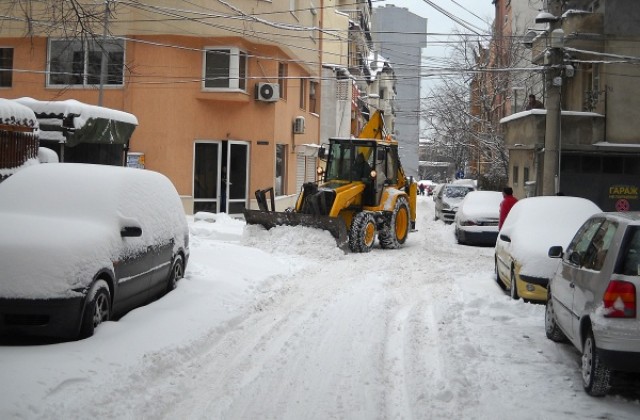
pixel 481 204
pixel 537 223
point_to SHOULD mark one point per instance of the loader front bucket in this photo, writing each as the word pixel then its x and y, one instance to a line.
pixel 269 219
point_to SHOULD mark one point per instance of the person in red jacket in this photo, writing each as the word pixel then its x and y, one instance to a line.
pixel 505 206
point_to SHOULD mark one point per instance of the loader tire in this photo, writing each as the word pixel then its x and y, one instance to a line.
pixel 395 234
pixel 362 234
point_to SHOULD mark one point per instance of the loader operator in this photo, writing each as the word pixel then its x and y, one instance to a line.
pixel 361 169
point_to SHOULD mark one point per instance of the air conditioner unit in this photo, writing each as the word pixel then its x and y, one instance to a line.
pixel 267 92
pixel 298 125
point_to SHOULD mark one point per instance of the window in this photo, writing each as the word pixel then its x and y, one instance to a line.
pixel 225 68
pixel 630 264
pixel 283 71
pixel 579 246
pixel 6 67
pixel 597 250
pixel 313 92
pixel 591 164
pixel 515 175
pixel 281 163
pixel 303 93
pixel 612 164
pixel 525 175
pixel 78 63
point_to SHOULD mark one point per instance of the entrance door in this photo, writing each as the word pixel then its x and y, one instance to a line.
pixel 237 181
pixel 206 176
pixel 221 176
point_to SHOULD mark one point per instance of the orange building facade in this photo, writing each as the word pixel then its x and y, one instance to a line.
pixel 222 116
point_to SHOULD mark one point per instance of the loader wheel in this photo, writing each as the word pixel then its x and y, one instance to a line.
pixel 395 234
pixel 362 233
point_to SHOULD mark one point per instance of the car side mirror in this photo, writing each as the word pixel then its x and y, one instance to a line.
pixel 505 238
pixel 131 232
pixel 555 252
pixel 381 154
pixel 322 153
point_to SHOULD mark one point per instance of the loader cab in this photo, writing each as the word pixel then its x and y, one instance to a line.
pixel 371 162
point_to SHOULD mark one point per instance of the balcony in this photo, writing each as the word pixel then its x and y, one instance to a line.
pixel 579 130
pixel 584 31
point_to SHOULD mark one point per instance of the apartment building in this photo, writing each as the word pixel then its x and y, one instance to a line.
pixel 227 95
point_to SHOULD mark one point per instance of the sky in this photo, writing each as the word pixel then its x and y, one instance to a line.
pixel 281 324
pixel 476 12
pixel 479 13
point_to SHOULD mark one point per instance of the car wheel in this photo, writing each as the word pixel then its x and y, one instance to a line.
pixel 97 310
pixel 514 286
pixel 596 378
pixel 554 333
pixel 177 272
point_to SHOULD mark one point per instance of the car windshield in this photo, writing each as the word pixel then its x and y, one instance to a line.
pixel 456 191
pixel 348 161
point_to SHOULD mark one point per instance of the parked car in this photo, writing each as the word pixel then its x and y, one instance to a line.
pixel 532 226
pixel 81 244
pixel 476 221
pixel 593 297
pixel 436 190
pixel 448 199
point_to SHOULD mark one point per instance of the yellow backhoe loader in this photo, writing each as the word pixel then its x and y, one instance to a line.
pixel 363 192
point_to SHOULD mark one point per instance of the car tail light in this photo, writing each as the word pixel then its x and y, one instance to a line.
pixel 620 299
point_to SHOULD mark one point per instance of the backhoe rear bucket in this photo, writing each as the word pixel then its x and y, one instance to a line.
pixel 269 219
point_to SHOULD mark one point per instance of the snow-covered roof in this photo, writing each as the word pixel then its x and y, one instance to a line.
pixel 544 112
pixel 84 111
pixel 608 144
pixel 14 113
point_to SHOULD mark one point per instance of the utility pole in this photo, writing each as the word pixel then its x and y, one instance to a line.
pixel 553 62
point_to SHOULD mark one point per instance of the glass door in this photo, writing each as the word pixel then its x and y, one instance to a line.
pixel 236 183
pixel 206 176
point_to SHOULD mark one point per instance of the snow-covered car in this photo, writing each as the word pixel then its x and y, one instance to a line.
pixel 476 221
pixel 593 297
pixel 448 199
pixel 81 244
pixel 533 225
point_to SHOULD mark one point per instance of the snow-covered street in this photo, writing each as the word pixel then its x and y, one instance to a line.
pixel 282 325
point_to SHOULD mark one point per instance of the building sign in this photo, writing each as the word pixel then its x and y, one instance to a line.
pixel 135 160
pixel 623 195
